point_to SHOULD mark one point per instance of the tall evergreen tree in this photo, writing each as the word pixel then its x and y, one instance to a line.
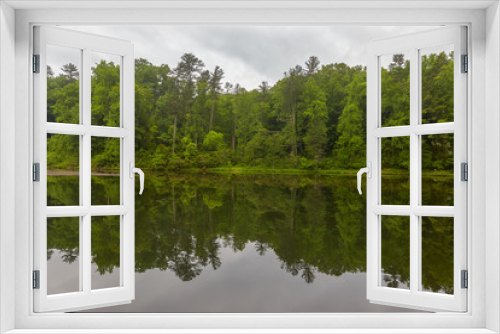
pixel 215 89
pixel 312 65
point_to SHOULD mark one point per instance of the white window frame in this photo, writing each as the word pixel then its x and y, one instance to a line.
pixel 415 297
pixel 484 101
pixel 86 297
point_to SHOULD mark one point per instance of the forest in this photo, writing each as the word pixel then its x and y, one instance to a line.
pixel 313 118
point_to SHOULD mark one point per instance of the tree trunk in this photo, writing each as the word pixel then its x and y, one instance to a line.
pixel 293 194
pixel 212 115
pixel 175 130
pixel 233 139
pixel 173 204
pixel 233 132
pixel 294 130
pixel 232 205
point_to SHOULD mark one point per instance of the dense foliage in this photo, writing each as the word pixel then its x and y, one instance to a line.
pixel 313 118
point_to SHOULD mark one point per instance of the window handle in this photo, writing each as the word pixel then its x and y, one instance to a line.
pixel 134 170
pixel 368 171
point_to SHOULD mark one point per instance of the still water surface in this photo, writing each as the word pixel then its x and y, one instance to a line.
pixel 240 243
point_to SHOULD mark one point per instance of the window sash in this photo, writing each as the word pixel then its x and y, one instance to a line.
pixel 86 297
pixel 414 298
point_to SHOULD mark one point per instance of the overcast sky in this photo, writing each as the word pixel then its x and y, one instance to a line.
pixel 251 54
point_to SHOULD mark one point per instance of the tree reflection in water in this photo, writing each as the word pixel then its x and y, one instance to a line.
pixel 312 223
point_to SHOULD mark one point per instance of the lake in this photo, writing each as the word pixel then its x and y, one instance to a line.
pixel 249 243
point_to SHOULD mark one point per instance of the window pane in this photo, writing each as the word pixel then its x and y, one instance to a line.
pixel 105 247
pixel 395 89
pixel 395 171
pixel 105 89
pixel 437 254
pixel 395 271
pixel 437 84
pixel 105 171
pixel 63 84
pixel 437 169
pixel 63 265
pixel 63 170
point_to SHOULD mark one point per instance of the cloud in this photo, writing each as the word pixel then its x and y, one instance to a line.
pixel 251 54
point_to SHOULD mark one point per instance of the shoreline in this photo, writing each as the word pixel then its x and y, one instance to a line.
pixel 242 171
pixel 59 172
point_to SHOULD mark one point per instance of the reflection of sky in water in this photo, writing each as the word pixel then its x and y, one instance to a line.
pixel 243 212
pixel 244 283
pixel 185 223
pixel 62 277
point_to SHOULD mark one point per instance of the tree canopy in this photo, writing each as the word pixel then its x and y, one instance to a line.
pixel 314 117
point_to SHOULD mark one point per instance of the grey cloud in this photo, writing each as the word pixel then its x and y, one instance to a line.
pixel 251 54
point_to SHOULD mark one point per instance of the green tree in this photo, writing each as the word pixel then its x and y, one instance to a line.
pixel 314 117
pixel 312 65
pixel 315 114
pixel 351 143
pixel 71 72
pixel 214 85
pixel 105 89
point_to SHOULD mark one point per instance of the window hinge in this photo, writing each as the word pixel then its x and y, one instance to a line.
pixel 36 63
pixel 465 279
pixel 464 172
pixel 36 279
pixel 465 64
pixel 36 172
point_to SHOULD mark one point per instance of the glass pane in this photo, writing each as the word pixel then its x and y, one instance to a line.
pixel 437 254
pixel 437 169
pixel 395 171
pixel 105 247
pixel 63 265
pixel 63 170
pixel 63 84
pixel 395 271
pixel 105 89
pixel 395 89
pixel 105 171
pixel 437 84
